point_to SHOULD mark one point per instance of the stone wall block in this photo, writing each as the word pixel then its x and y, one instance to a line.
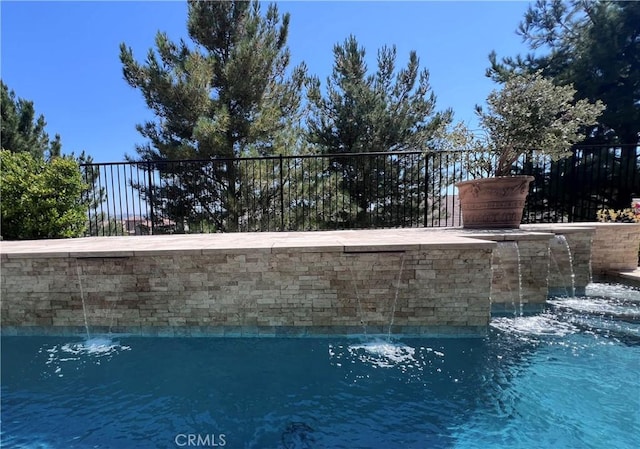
pixel 416 287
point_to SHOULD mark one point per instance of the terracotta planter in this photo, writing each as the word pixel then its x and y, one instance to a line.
pixel 493 203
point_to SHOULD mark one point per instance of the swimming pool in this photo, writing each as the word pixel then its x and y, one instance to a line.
pixel 568 377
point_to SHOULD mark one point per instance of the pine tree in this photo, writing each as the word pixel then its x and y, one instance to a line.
pixel 593 45
pixel 225 95
pixel 22 132
pixel 382 112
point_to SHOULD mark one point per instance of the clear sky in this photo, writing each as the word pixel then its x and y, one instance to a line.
pixel 63 56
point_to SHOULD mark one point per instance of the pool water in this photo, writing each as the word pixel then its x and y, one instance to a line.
pixel 566 378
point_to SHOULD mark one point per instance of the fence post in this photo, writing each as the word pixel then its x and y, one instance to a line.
pixel 426 188
pixel 150 182
pixel 572 189
pixel 281 159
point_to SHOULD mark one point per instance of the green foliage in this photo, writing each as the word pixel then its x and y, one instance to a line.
pixel 21 131
pixel 592 45
pixel 223 96
pixel 41 199
pixel 387 111
pixel 619 216
pixel 390 110
pixel 532 113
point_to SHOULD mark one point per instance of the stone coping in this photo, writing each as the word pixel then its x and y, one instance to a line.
pixel 567 228
pixel 521 235
pixel 577 225
pixel 347 241
pixel 358 241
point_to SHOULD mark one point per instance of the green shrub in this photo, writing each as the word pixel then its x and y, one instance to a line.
pixel 41 199
pixel 618 216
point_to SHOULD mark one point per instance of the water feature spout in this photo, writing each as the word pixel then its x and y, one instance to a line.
pixel 519 259
pixel 395 299
pixel 372 310
pixel 562 257
pixel 84 306
pixel 506 285
pixel 359 304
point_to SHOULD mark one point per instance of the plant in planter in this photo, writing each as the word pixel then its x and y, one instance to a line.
pixel 528 113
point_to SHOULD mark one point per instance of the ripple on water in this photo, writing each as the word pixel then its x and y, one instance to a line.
pixel 93 350
pixel 600 306
pixel 544 324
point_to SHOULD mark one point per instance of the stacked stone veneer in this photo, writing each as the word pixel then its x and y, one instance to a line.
pixel 570 261
pixel 599 249
pixel 520 268
pixel 587 251
pixel 435 288
pixel 263 291
pixel 615 248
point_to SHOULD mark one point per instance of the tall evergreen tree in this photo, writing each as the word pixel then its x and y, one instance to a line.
pixel 22 132
pixel 594 45
pixel 225 95
pixel 390 110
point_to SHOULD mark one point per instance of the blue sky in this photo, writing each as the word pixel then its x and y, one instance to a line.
pixel 63 56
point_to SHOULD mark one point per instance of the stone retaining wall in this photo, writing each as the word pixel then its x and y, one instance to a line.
pixel 609 249
pixel 614 248
pixel 264 291
pixel 273 288
pixel 520 269
pixel 570 255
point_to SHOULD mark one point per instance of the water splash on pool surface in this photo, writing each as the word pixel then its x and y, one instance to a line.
pixel 384 354
pixel 389 357
pixel 615 291
pixel 609 318
pixel 600 306
pixel 93 350
pixel 544 324
pixel 608 311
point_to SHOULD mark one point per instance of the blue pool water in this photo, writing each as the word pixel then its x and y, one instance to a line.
pixel 566 378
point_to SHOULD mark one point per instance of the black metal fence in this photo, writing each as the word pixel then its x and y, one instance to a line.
pixel 340 191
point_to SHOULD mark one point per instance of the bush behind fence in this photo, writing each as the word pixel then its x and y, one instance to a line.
pixel 341 191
